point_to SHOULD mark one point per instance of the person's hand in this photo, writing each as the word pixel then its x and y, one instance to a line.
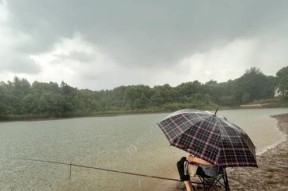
pixel 190 158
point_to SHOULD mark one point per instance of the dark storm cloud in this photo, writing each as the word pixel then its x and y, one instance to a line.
pixel 18 64
pixel 145 33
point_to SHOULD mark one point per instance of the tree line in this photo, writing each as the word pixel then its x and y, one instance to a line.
pixel 20 99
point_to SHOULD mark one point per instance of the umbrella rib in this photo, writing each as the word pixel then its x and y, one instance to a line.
pixel 186 121
pixel 182 132
pixel 215 125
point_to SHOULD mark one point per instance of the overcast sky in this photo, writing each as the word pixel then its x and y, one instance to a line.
pixel 102 44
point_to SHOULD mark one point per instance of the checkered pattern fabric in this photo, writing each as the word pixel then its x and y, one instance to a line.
pixel 209 137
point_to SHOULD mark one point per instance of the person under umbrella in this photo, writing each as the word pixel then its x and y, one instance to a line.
pixel 209 137
pixel 212 141
pixel 198 166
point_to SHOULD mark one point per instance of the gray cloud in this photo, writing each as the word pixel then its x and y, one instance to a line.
pixel 24 65
pixel 150 35
pixel 77 56
pixel 18 64
pixel 146 33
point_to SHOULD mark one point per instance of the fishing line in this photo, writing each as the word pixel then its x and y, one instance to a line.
pixel 95 168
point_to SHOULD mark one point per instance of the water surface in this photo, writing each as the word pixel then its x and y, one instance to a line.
pixel 130 143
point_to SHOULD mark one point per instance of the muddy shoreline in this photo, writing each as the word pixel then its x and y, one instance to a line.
pixel 272 173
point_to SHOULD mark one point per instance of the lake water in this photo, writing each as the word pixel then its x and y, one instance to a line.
pixel 131 143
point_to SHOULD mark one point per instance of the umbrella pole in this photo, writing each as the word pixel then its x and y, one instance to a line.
pixel 226 183
pixel 216 111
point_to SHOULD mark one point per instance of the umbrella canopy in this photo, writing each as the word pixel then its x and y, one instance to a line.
pixel 209 137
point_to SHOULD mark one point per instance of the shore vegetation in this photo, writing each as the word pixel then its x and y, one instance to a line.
pixel 21 100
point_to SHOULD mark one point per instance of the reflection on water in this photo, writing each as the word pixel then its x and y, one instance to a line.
pixel 126 143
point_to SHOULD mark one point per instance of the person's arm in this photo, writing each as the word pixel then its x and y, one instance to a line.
pixel 197 160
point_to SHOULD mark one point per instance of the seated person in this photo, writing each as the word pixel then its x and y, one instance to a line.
pixel 203 168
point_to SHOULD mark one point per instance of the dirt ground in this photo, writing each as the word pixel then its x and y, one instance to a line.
pixel 272 173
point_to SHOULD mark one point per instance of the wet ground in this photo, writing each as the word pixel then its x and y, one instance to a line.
pixel 272 173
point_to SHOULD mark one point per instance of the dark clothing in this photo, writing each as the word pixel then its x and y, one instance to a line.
pixel 201 170
pixel 181 169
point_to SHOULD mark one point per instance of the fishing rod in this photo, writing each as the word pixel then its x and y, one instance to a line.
pixel 95 168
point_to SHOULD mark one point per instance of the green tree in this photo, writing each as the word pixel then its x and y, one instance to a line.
pixel 42 87
pixel 253 85
pixel 190 91
pixel 3 99
pixel 117 96
pixel 51 105
pixel 282 81
pixel 87 101
pixel 162 95
pixel 18 89
pixel 137 97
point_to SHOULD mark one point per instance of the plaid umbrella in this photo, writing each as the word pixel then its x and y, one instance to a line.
pixel 209 137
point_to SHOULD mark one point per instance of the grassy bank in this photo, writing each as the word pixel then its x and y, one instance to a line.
pixel 113 112
pixel 268 103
